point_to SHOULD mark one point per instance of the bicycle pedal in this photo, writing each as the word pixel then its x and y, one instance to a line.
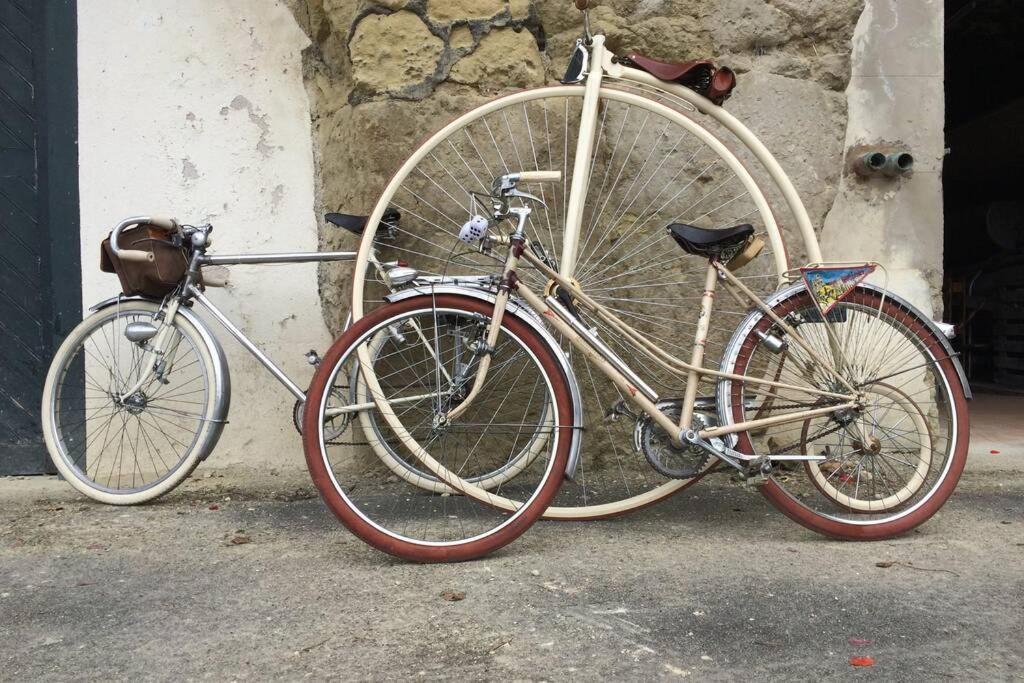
pixel 755 481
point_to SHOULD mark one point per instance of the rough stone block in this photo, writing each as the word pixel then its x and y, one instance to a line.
pixel 504 58
pixel 447 11
pixel 393 52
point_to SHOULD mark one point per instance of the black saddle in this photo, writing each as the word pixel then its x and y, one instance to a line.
pixel 717 244
pixel 357 224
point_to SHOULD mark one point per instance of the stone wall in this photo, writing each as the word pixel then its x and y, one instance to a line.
pixel 384 74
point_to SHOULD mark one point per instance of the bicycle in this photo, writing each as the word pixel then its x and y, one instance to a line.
pixel 139 392
pixel 639 144
pixel 843 379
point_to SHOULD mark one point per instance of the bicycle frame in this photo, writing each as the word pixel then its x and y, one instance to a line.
pixel 191 292
pixel 629 382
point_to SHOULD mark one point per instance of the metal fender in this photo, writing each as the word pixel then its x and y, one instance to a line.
pixel 732 349
pixel 528 316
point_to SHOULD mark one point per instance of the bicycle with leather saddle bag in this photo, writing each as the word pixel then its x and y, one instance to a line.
pixel 138 393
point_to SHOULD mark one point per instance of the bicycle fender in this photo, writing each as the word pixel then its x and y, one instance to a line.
pixel 748 323
pixel 527 316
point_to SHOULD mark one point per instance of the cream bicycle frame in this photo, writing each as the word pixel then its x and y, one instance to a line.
pixel 626 380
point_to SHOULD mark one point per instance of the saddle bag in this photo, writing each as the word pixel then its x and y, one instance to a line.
pixel 156 278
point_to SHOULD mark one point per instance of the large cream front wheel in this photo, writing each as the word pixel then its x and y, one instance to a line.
pixel 652 165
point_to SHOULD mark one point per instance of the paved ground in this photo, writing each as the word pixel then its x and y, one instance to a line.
pixel 713 585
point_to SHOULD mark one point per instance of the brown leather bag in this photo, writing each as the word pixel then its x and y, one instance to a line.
pixel 156 278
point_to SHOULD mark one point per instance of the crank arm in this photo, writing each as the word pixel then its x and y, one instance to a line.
pixel 741 461
pixel 791 458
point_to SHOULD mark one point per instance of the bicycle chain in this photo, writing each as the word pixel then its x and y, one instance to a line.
pixel 803 406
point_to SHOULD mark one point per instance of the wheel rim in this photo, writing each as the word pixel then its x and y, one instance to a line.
pixel 648 171
pixel 899 364
pixel 410 514
pixel 131 446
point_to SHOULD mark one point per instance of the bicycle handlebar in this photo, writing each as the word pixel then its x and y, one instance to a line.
pixel 540 176
pixel 162 222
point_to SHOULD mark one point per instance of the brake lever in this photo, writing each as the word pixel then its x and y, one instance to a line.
pixel 524 195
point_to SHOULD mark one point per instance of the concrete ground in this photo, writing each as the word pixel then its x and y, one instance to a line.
pixel 246 576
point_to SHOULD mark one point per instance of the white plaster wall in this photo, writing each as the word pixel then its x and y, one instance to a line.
pixel 197 109
pixel 896 94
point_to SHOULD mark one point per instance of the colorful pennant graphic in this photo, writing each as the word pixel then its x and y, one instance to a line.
pixel 829 286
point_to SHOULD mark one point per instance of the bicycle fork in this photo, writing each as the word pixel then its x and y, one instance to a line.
pixel 154 361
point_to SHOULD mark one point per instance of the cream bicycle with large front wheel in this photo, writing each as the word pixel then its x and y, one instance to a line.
pixel 639 144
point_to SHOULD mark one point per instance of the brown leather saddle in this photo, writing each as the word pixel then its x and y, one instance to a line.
pixel 700 75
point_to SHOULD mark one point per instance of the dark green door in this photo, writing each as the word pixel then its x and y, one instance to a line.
pixel 40 274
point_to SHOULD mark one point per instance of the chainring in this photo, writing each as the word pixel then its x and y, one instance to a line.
pixel 674 462
pixel 335 428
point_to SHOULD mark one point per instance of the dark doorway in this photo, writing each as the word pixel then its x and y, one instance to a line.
pixel 984 200
pixel 40 273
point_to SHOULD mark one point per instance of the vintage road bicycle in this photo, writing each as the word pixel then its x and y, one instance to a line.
pixel 139 392
pixel 640 144
pixel 851 419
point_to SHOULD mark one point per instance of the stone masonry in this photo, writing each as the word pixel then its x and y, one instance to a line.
pixel 382 75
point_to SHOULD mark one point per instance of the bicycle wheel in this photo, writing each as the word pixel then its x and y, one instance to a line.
pixel 651 166
pixel 390 449
pixel 129 451
pixel 889 466
pixel 525 398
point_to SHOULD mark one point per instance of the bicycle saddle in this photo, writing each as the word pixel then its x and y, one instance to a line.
pixel 697 74
pixel 672 71
pixel 357 224
pixel 710 243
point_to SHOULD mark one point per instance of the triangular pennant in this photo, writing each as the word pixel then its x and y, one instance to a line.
pixel 830 285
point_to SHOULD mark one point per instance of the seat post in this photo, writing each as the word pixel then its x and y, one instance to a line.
pixel 699 342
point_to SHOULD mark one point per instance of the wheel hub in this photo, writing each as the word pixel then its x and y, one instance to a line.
pixel 136 403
